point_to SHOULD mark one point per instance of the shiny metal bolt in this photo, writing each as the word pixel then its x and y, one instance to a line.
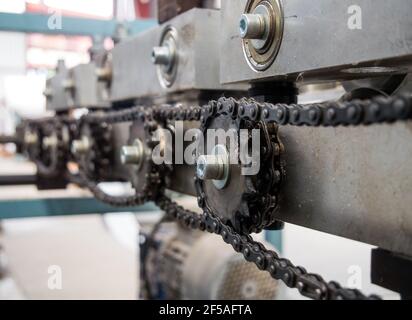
pixel 30 138
pixel 256 27
pixel 162 55
pixel 80 146
pixel 104 74
pixel 214 167
pixel 50 142
pixel 252 26
pixel 133 154
pixel 210 167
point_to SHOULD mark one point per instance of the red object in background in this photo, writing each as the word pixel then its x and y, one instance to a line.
pixel 142 8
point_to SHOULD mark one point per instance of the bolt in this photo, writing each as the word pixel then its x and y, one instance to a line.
pixel 68 84
pixel 252 26
pixel 80 146
pixel 162 55
pixel 210 167
pixel 215 167
pixel 104 74
pixel 30 138
pixel 49 142
pixel 132 154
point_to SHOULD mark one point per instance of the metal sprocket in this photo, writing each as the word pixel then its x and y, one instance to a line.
pixel 248 202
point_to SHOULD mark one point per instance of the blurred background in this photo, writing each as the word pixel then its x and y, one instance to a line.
pixel 31 44
pixel 34 35
pixel 97 255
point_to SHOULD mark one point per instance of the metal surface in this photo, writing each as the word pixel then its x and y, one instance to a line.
pixel 383 41
pixel 253 26
pixel 133 154
pixel 350 182
pixel 162 55
pixel 89 91
pixel 30 138
pixel 135 76
pixel 120 138
pixel 249 199
pixel 42 23
pixel 168 60
pixel 57 96
pixel 84 86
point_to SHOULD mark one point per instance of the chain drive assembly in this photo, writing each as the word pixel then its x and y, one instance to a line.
pixel 262 202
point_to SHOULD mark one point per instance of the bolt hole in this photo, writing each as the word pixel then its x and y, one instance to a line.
pixel 242 25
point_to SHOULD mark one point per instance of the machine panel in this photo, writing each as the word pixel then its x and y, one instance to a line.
pixel 196 61
pixel 321 40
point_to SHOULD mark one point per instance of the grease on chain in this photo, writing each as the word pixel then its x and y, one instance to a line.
pixel 366 112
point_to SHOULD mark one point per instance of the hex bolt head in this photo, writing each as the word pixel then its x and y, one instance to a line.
pixel 252 26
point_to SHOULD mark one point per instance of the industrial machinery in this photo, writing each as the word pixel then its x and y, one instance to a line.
pixel 236 69
pixel 178 263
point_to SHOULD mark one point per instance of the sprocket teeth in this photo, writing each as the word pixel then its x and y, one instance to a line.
pixel 256 209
